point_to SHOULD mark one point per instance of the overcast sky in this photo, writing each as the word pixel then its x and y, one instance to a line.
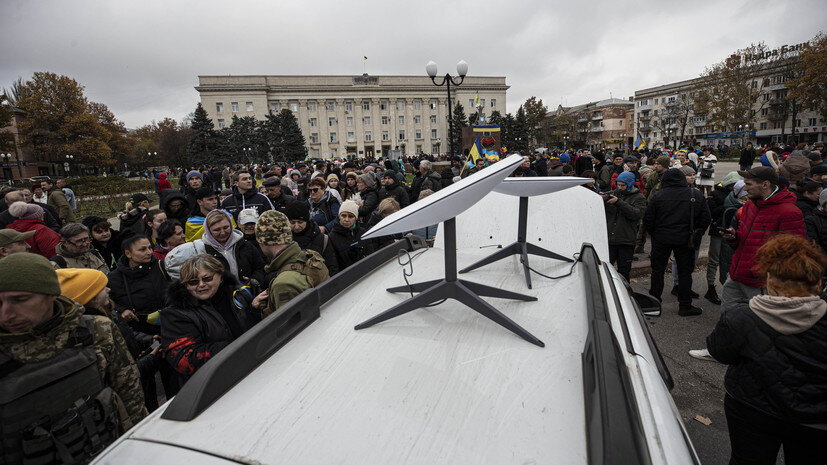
pixel 142 58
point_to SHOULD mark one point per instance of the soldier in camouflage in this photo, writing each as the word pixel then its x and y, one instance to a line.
pixel 291 270
pixel 41 332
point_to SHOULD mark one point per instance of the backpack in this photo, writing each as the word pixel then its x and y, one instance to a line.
pixel 311 265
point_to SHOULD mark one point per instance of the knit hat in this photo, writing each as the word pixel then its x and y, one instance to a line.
pixel 81 284
pixel 731 178
pixel 627 178
pixel 138 198
pixel 248 215
pixel 687 170
pixel 368 178
pixel 177 256
pixel 349 206
pixel 28 272
pixel 273 228
pixel 25 210
pixel 822 199
pixel 333 176
pixel 389 174
pixel 565 158
pixel 10 236
pixel 193 173
pixel 297 210
pixel 738 189
pixel 663 161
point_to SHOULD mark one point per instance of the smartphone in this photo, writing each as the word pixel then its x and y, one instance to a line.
pixel 722 230
pixel 154 346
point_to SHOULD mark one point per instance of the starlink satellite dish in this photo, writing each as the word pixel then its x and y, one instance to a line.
pixel 448 202
pixel 534 186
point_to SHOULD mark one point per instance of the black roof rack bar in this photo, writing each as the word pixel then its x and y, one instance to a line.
pixel 613 429
pixel 619 310
pixel 660 363
pixel 252 348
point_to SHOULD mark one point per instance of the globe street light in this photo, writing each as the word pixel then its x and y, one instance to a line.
pixel 68 166
pixel 447 80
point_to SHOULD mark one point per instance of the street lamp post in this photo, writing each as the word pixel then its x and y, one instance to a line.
pixel 6 158
pixel 68 165
pixel 447 80
pixel 438 146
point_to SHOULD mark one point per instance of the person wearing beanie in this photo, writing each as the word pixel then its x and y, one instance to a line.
pixel 290 270
pixel 88 288
pixel 624 209
pixel 35 324
pixel 334 187
pixel 369 195
pixel 392 189
pixel 346 236
pixel 308 235
pixel 29 217
pixel 278 196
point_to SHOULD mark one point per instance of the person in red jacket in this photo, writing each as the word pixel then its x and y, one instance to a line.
pixel 30 218
pixel 770 210
pixel 163 182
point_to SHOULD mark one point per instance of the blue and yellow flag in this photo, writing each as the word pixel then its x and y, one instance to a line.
pixel 365 57
pixel 639 142
pixel 477 99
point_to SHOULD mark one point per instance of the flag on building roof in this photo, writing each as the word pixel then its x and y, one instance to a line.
pixel 477 99
pixel 639 142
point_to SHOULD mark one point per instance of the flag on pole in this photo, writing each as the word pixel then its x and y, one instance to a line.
pixel 477 99
pixel 639 142
pixel 476 150
pixel 365 57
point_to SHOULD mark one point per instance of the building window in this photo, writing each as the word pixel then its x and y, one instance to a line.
pixel 798 122
pixel 314 138
pixel 433 119
pixel 776 125
pixel 368 136
pixel 385 135
pixel 333 137
pixel 417 105
pixel 432 104
pixel 274 107
pixel 311 106
pixel 620 112
pixel 330 106
pixel 417 120
pixel 418 148
pixel 621 123
pixel 348 106
pixel 316 153
pixel 331 121
pixel 471 103
pixel 401 119
pixel 433 134
pixel 350 121
pixel 221 124
pixel 655 134
pixel 219 107
pixel 811 122
pixel 482 102
pixel 294 107
pixel 384 120
pixel 401 134
pixel 763 126
pixel 400 105
pixel 383 105
pixel 351 137
pixel 493 102
pixel 366 105
pixel 314 122
pixel 366 121
pixel 656 113
pixel 418 133
pixel 766 97
pixel 765 111
pixel 234 107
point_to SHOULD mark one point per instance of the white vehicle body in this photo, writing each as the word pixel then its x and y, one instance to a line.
pixel 440 384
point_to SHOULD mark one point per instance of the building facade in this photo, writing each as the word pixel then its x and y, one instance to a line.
pixel 665 115
pixel 600 125
pixel 21 161
pixel 359 116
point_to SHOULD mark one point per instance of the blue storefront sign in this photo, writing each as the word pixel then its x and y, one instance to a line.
pixel 728 135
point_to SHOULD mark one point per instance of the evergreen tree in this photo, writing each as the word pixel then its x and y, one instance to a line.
pixel 459 121
pixel 271 133
pixel 201 148
pixel 506 132
pixel 495 118
pixel 521 131
pixel 292 138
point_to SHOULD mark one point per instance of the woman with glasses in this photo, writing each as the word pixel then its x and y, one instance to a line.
pixel 202 316
pixel 324 208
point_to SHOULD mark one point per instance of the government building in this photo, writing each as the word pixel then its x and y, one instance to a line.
pixel 359 116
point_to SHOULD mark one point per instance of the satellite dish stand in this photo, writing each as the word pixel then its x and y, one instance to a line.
pixel 466 292
pixel 521 247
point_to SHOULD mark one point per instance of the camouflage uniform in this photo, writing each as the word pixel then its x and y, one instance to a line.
pixel 288 279
pixel 90 259
pixel 115 365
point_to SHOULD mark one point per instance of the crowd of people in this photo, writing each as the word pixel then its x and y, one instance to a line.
pixel 169 286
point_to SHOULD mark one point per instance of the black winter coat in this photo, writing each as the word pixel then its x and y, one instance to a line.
pixel 141 289
pixel 111 251
pixel 432 181
pixel 370 200
pixel 167 196
pixel 540 167
pixel 715 202
pixel 193 331
pixel 816 227
pixel 280 203
pixel 249 258
pixel 399 193
pixel 348 244
pixel 379 242
pixel 782 375
pixel 668 213
pixel 747 157
pixel 312 238
pixel 623 217
pixel 416 187
pixel 806 205
pixel 250 199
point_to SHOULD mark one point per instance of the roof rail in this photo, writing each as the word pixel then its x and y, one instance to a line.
pixel 613 428
pixel 252 348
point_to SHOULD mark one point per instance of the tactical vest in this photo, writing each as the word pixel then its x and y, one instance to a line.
pixel 311 265
pixel 58 410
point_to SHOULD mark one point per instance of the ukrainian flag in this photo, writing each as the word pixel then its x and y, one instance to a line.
pixel 477 99
pixel 639 142
pixel 476 150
